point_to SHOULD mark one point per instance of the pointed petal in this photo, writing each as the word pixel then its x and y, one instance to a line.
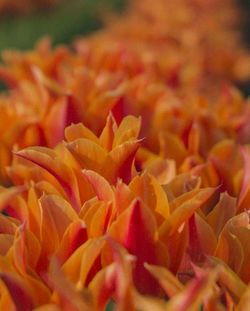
pixel 50 161
pixel 194 138
pixel 227 160
pixel 52 85
pixel 163 170
pixel 243 235
pixel 171 147
pixel 152 194
pixel 101 220
pixel 78 266
pixel 74 236
pixel 103 286
pixel 68 298
pixel 124 286
pixel 202 240
pixel 123 196
pixel 100 107
pixel 34 215
pixel 182 184
pixel 222 212
pixel 19 291
pixel 229 247
pixel 135 229
pixel 58 112
pixel 173 231
pixel 128 129
pixel 229 280
pixel 107 136
pixel 192 296
pixel 167 280
pixel 183 212
pixel 176 245
pixel 120 161
pixel 17 253
pixel 101 187
pixel 89 154
pixel 76 131
pixel 60 212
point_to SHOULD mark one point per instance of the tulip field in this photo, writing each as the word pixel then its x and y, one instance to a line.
pixel 125 165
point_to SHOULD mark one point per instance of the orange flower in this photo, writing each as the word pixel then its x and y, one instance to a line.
pixel 97 215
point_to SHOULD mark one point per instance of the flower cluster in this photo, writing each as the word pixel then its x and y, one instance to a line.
pixel 125 166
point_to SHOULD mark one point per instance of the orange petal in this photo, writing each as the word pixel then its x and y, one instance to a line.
pixel 7 194
pixel 119 162
pixel 78 266
pixel 182 184
pixel 152 194
pixel 167 280
pixel 103 285
pixel 101 187
pixel 66 295
pixel 58 112
pixel 229 247
pixel 108 133
pixel 124 287
pixel 74 236
pixel 229 280
pixel 183 212
pixel 101 220
pixel 100 107
pixel 171 147
pixel 244 196
pixel 88 153
pixel 135 229
pixel 50 161
pixel 7 226
pixel 202 240
pixel 163 170
pixel 194 138
pixel 123 196
pixel 227 160
pixel 192 296
pixel 6 242
pixel 59 211
pixel 19 290
pixel 222 212
pixel 244 303
pixel 147 303
pixel 128 129
pixel 76 131
pixel 48 307
pixel 52 85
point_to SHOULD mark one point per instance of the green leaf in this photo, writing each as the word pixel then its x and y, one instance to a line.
pixel 110 305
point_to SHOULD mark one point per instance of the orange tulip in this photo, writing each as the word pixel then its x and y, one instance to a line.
pixel 127 183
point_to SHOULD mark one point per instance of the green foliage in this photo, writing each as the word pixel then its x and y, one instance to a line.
pixel 62 23
pixel 110 306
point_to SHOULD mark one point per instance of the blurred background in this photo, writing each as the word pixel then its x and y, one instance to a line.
pixel 23 22
pixel 245 5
